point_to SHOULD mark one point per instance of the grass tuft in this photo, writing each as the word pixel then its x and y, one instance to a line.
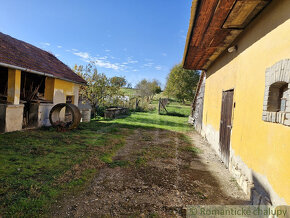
pixel 193 150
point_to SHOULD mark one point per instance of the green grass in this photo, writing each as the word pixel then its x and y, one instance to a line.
pixel 129 92
pixel 153 120
pixel 37 167
pixel 119 163
pixel 193 150
pixel 33 162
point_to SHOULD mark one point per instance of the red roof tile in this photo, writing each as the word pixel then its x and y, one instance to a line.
pixel 21 54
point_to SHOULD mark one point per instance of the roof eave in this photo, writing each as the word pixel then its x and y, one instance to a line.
pixel 190 29
pixel 39 73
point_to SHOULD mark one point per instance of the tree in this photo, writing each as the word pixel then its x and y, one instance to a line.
pixel 181 83
pixel 129 85
pixel 99 89
pixel 118 81
pixel 148 88
pixel 155 87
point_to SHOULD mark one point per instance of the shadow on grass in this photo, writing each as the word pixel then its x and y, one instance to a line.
pixel 37 167
pixel 198 185
pixel 175 114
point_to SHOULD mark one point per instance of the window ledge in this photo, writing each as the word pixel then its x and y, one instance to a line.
pixel 277 117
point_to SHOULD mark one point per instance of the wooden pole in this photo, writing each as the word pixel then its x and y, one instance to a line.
pixel 136 104
pixel 159 106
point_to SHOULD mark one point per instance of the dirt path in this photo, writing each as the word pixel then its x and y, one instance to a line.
pixel 157 172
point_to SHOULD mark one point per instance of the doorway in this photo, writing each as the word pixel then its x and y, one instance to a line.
pixel 226 125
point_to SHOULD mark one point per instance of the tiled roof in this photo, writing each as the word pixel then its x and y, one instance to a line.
pixel 23 55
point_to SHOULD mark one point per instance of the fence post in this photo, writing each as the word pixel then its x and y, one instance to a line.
pixel 136 104
pixel 159 106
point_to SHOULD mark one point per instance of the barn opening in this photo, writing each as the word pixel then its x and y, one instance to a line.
pixel 31 94
pixel 3 84
pixel 3 96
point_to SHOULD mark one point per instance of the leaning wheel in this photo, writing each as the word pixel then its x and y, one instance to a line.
pixel 66 116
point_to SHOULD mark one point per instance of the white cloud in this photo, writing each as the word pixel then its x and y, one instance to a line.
pixel 103 58
pixel 57 55
pixel 135 70
pixel 99 61
pixel 73 49
pixel 59 46
pixel 131 61
pixel 106 64
pixel 164 54
pixel 158 67
pixel 83 55
pixel 107 50
pixel 45 43
pixel 150 64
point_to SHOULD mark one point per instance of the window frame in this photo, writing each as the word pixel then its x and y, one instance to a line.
pixel 276 74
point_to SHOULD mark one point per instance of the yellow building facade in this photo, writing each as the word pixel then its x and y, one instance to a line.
pixel 259 146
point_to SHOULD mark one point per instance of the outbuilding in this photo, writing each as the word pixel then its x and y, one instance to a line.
pixel 32 81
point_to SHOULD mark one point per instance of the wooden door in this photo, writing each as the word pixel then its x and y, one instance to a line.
pixel 226 125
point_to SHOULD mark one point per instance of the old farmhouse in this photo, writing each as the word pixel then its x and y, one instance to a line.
pixel 31 82
pixel 242 105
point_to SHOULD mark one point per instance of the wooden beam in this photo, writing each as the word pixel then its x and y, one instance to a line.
pixel 217 24
pixel 243 13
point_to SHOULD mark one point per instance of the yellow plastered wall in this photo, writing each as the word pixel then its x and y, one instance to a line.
pixel 14 82
pixel 264 147
pixel 62 89
pixel 49 88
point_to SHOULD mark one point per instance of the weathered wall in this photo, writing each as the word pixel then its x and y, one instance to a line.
pixel 86 115
pixel 43 114
pixel 198 112
pixel 62 89
pixel 259 150
pixel 14 117
pixel 49 88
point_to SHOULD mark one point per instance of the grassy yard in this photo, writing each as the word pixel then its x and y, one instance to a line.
pixel 176 121
pixel 129 92
pixel 39 167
